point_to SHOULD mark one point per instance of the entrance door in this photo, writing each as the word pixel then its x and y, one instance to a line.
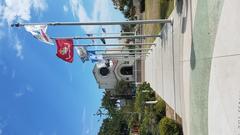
pixel 127 70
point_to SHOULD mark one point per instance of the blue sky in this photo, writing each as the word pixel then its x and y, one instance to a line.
pixel 39 93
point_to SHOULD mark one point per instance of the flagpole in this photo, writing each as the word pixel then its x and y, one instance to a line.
pixel 156 21
pixel 113 33
pixel 123 53
pixel 108 37
pixel 120 44
pixel 120 50
pixel 142 58
pixel 139 59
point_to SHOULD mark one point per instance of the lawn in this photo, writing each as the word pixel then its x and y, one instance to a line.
pixel 155 9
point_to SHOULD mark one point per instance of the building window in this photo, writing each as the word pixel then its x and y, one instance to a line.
pixel 127 70
pixel 104 71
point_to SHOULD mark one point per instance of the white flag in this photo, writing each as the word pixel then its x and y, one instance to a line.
pixel 82 52
pixel 39 32
pixel 95 57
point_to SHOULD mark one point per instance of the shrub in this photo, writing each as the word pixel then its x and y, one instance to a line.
pixel 144 128
pixel 169 127
pixel 160 110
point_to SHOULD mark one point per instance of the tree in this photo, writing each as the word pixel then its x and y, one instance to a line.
pixel 115 125
pixel 124 90
pixel 109 103
pixel 126 7
pixel 127 27
pixel 108 127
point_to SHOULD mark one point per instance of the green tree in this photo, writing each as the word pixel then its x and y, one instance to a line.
pixel 109 103
pixel 123 90
pixel 126 7
pixel 115 125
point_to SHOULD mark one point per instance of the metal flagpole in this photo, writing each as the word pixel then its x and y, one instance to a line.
pixel 158 21
pixel 113 33
pixel 120 44
pixel 124 56
pixel 122 53
pixel 108 37
pixel 122 50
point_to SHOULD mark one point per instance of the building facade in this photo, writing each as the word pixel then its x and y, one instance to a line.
pixel 108 76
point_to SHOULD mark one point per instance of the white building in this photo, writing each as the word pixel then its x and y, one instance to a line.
pixel 107 77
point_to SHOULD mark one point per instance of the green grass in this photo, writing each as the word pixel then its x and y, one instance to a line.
pixel 155 9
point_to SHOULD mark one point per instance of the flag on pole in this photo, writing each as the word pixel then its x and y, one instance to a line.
pixel 104 30
pixel 90 35
pixel 39 32
pixel 65 49
pixel 102 39
pixel 95 57
pixel 82 53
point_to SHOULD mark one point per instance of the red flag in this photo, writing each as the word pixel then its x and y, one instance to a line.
pixel 65 49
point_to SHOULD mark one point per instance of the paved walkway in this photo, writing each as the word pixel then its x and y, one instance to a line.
pixel 195 67
pixel 162 66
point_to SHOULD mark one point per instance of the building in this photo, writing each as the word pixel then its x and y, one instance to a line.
pixel 108 76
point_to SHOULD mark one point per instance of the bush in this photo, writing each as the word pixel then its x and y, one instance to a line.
pixel 169 127
pixel 144 127
pixel 160 110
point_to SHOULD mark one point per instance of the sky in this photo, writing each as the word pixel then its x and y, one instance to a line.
pixel 39 93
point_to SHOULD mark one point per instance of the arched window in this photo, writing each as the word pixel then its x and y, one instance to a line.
pixel 126 70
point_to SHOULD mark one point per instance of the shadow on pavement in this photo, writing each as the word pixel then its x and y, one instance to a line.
pixel 193 57
pixel 179 5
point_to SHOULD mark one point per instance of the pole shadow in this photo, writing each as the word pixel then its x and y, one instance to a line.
pixel 192 57
pixel 179 5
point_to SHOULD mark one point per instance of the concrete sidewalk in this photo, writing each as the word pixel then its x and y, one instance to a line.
pixel 195 66
pixel 224 87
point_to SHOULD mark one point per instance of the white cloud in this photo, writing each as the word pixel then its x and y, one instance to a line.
pixel 80 13
pixel 65 8
pixel 18 47
pixel 39 5
pixel 20 10
pixel 101 12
